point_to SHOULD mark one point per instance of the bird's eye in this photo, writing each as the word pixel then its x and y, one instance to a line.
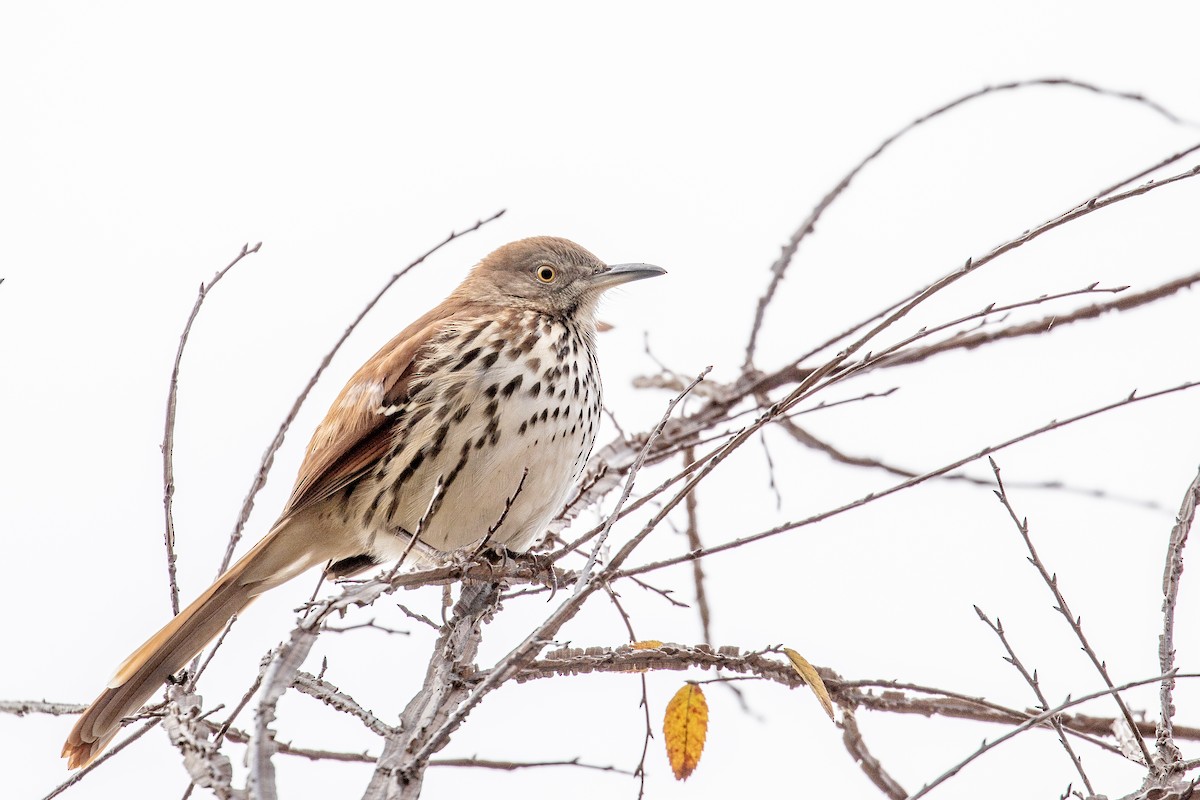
pixel 545 273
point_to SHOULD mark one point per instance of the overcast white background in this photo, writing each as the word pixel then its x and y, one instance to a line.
pixel 144 143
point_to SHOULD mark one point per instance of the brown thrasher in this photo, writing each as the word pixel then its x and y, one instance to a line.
pixel 496 385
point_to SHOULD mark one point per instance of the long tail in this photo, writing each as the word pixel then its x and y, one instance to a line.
pixel 279 557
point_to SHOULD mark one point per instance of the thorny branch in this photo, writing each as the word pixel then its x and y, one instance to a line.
pixel 1032 679
pixel 1075 622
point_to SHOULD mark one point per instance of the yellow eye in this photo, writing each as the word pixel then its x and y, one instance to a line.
pixel 545 273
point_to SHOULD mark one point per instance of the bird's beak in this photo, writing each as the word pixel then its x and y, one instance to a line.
pixel 617 274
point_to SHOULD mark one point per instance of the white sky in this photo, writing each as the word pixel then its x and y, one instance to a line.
pixel 143 144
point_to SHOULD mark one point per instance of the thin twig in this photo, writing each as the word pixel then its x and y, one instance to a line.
pixel 168 444
pixel 435 503
pixel 1076 624
pixel 779 268
pixel 640 771
pixel 1032 679
pixel 694 543
pixel 1024 726
pixel 586 572
pixel 112 751
pixel 874 496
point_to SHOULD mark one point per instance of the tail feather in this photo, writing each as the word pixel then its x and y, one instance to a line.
pixel 274 560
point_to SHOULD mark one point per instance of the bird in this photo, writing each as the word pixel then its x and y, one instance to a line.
pixel 470 426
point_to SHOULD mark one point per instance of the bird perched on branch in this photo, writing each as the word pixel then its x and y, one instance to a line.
pixel 477 417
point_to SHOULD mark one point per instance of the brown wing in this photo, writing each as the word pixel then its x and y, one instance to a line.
pixel 356 432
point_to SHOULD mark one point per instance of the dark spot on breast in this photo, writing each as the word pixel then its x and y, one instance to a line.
pixel 490 359
pixel 536 389
pixel 439 439
pixel 471 335
pixel 453 474
pixel 512 386
pixel 467 358
pixel 413 465
pixel 521 430
pixel 534 364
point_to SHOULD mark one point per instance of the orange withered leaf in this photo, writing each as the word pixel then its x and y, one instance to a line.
pixel 809 673
pixel 685 724
pixel 647 644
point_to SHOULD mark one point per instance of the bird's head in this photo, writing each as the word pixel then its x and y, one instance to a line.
pixel 547 274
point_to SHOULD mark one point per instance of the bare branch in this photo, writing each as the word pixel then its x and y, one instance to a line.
pixel 23 708
pixel 1172 574
pixel 585 573
pixel 1032 680
pixel 1024 726
pixel 790 526
pixel 694 543
pixel 168 444
pixel 400 770
pixel 779 268
pixel 334 697
pixel 870 765
pixel 1073 621
pixel 112 751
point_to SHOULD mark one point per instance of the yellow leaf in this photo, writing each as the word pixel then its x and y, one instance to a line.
pixel 685 725
pixel 649 644
pixel 810 676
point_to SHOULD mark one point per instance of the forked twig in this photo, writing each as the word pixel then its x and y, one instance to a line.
pixel 1051 581
pixel 1032 679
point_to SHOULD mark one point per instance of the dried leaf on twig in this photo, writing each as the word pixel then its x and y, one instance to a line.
pixel 809 673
